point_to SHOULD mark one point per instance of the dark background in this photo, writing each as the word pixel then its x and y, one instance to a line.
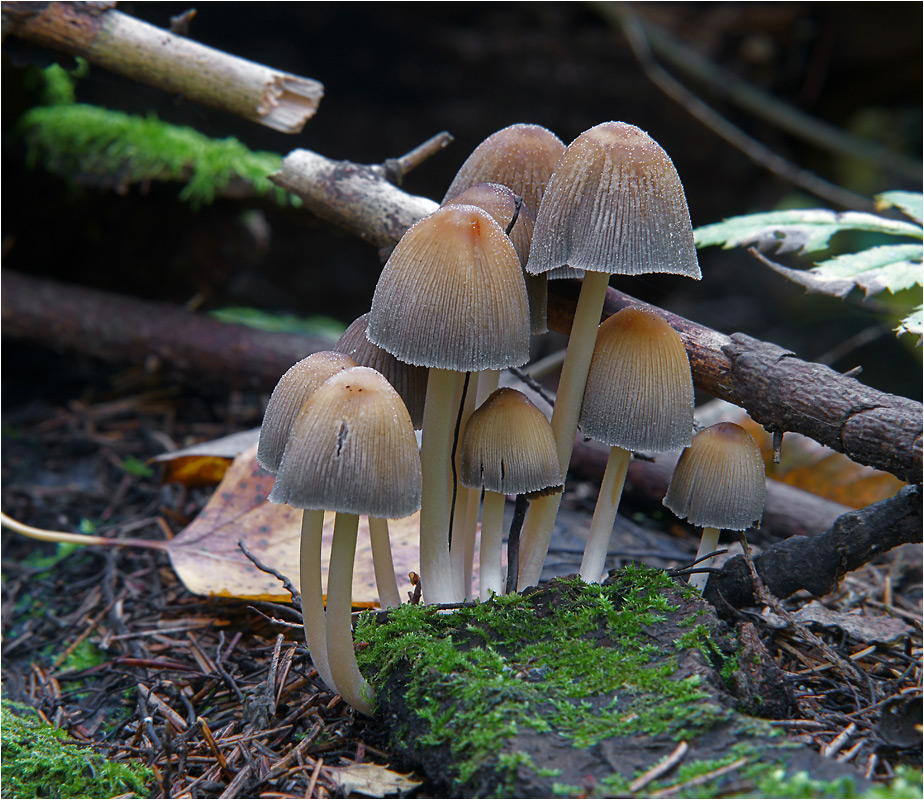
pixel 396 73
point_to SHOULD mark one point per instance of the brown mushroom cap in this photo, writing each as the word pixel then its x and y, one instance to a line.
pixel 614 204
pixel 520 156
pixel 501 203
pixel 290 394
pixel 508 447
pixel 719 481
pixel 409 381
pixel 639 391
pixel 452 295
pixel 352 449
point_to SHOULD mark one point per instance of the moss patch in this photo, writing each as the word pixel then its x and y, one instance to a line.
pixel 37 762
pixel 528 695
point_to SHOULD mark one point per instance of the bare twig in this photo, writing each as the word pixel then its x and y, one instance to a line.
pixel 118 42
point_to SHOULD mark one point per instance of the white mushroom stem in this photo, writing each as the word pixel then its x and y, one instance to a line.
pixel 492 534
pixel 440 409
pixel 348 681
pixel 312 593
pixel 382 563
pixel 540 519
pixel 601 528
pixel 708 544
pixel 464 521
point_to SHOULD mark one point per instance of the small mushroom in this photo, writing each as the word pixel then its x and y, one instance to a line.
pixel 718 483
pixel 613 205
pixel 508 448
pixel 351 450
pixel 452 298
pixel 409 381
pixel 638 397
pixel 290 394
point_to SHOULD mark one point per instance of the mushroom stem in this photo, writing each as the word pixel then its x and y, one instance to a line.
pixel 492 534
pixel 312 593
pixel 464 523
pixel 540 519
pixel 348 681
pixel 601 528
pixel 707 544
pixel 436 498
pixel 382 563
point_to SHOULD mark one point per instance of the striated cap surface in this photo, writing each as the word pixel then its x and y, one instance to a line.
pixel 639 391
pixel 509 447
pixel 614 204
pixel 719 481
pixel 293 389
pixel 352 449
pixel 409 381
pixel 452 295
pixel 521 157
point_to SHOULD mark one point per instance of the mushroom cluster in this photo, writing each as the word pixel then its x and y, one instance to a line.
pixel 456 303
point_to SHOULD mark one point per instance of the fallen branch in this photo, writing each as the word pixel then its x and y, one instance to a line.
pixel 818 563
pixel 157 336
pixel 118 42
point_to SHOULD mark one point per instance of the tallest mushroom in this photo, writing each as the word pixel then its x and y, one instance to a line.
pixel 614 205
pixel 452 298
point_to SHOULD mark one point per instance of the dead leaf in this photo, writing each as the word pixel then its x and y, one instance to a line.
pixel 877 629
pixel 204 464
pixel 208 560
pixel 371 780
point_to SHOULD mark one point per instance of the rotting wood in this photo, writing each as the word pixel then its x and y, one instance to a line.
pixel 143 52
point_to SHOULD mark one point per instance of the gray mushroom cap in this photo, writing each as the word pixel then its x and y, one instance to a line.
pixel 452 295
pixel 614 204
pixel 352 449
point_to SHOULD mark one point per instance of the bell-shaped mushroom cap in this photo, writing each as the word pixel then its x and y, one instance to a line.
pixel 288 397
pixel 520 156
pixel 409 381
pixel 614 204
pixel 352 449
pixel 639 391
pixel 719 481
pixel 501 203
pixel 452 295
pixel 508 447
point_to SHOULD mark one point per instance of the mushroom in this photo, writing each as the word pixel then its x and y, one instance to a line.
pixel 508 448
pixel 638 397
pixel 718 483
pixel 451 297
pixel 291 392
pixel 521 157
pixel 511 213
pixel 613 205
pixel 409 381
pixel 352 450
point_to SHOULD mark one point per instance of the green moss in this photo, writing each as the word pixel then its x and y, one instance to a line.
pixel 84 142
pixel 38 763
pixel 580 666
